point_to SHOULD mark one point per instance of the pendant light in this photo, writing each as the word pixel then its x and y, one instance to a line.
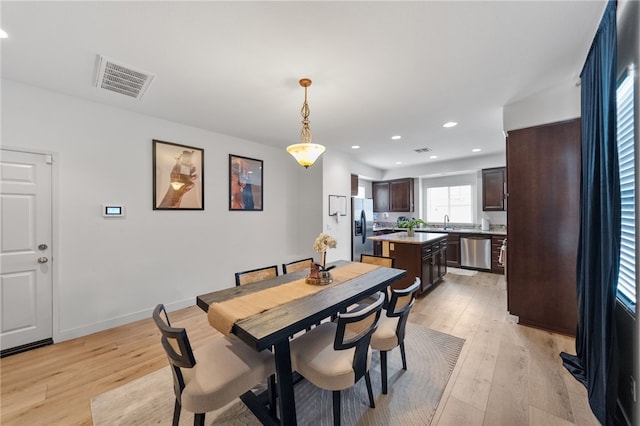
pixel 305 153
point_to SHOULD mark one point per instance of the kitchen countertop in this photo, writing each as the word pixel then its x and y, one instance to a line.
pixel 401 237
pixel 433 230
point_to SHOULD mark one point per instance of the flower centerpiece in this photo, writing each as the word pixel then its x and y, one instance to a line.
pixel 410 224
pixel 320 274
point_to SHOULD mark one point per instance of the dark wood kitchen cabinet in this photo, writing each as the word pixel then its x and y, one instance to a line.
pixel 401 195
pixel 493 189
pixel 453 249
pixel 543 177
pixel 393 195
pixel 380 196
pixel 354 185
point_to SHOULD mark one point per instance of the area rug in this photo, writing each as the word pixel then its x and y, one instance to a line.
pixel 412 399
pixel 459 271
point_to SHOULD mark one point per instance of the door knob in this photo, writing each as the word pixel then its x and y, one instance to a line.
pixel 43 259
pixel 43 247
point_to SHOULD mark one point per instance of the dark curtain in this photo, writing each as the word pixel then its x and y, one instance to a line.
pixel 595 362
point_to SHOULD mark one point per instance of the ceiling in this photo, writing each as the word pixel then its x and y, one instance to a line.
pixel 379 69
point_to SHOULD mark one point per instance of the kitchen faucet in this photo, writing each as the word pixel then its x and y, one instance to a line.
pixel 446 220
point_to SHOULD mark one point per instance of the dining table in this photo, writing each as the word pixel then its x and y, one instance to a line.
pixel 271 329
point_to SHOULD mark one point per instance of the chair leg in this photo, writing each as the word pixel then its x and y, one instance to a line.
pixel 336 408
pixel 404 356
pixel 176 413
pixel 367 379
pixel 198 419
pixel 383 370
pixel 271 389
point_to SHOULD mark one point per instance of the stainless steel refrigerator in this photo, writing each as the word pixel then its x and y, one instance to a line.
pixel 361 227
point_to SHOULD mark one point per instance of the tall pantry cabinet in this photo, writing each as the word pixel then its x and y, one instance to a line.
pixel 543 181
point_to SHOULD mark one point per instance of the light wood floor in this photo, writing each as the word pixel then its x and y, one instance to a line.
pixel 507 374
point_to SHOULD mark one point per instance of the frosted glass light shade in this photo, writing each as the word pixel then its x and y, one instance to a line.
pixel 306 153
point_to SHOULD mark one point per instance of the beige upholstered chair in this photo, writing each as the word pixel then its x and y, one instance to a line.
pixel 216 374
pixel 335 355
pixel 390 331
pixel 254 275
pixel 297 265
pixel 377 260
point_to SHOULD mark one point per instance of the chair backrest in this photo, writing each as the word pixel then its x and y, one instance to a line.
pixel 400 304
pixel 177 347
pixel 254 275
pixel 389 262
pixel 354 329
pixel 297 265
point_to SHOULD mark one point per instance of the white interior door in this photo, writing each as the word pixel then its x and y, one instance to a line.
pixel 25 249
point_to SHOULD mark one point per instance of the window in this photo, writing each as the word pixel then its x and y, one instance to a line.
pixel 454 201
pixel 626 160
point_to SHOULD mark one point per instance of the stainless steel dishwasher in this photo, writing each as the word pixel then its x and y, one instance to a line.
pixel 475 251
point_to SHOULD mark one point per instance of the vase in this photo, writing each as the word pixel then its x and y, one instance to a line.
pixel 411 232
pixel 318 276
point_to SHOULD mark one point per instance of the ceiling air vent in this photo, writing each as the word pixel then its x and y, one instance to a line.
pixel 121 78
pixel 421 150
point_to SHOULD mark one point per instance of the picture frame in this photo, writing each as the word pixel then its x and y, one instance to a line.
pixel 245 183
pixel 178 176
pixel 337 205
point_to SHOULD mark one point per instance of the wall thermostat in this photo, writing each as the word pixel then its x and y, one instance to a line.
pixel 112 210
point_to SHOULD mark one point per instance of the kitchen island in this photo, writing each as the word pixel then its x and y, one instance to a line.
pixel 454 234
pixel 423 255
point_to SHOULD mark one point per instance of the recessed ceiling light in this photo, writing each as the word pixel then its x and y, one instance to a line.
pixel 476 150
pixel 355 146
pixel 396 137
pixel 3 33
pixel 450 124
pixel 433 156
pixel 398 162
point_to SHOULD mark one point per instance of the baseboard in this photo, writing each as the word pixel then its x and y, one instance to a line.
pixel 27 347
pixel 74 333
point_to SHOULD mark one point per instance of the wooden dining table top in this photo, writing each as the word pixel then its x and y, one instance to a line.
pixel 265 329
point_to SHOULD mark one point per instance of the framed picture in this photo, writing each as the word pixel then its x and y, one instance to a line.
pixel 245 183
pixel 337 205
pixel 178 177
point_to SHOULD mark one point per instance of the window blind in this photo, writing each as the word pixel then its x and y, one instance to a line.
pixel 626 289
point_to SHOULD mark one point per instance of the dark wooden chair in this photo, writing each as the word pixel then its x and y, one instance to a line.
pixel 226 368
pixel 246 277
pixel 297 265
pixel 335 355
pixel 389 262
pixel 390 331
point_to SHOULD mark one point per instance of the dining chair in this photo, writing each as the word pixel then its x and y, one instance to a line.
pixel 391 329
pixel 216 374
pixel 297 265
pixel 246 277
pixel 335 355
pixel 389 262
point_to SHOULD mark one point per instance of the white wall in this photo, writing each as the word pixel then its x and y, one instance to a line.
pixel 556 104
pixel 337 181
pixel 112 271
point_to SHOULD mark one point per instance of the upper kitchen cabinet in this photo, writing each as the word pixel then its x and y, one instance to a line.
pixel 493 191
pixel 354 185
pixel 393 195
